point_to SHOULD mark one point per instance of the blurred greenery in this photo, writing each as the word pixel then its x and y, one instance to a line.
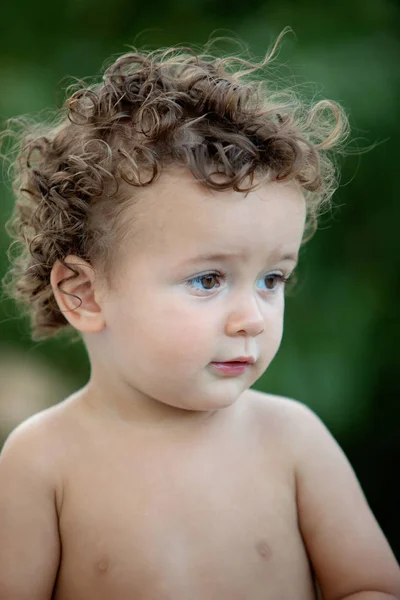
pixel 340 351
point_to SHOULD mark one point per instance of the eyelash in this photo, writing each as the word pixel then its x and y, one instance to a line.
pixel 221 275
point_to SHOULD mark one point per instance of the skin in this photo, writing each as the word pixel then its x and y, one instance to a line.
pixel 162 478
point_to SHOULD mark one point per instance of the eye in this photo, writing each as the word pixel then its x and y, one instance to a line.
pixel 272 280
pixel 207 280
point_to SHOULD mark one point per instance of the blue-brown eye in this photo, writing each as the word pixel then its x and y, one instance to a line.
pixel 207 281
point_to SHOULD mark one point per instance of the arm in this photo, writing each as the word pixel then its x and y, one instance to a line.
pixel 349 553
pixel 30 548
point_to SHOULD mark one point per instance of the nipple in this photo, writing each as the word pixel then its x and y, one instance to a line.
pixel 264 549
pixel 102 565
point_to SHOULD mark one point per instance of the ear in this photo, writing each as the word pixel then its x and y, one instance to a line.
pixel 81 308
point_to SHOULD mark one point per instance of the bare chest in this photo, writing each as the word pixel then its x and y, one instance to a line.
pixel 212 520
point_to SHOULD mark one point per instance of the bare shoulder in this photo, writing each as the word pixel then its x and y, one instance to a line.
pixel 285 414
pixel 298 425
pixel 31 496
pixel 283 422
pixel 274 402
pixel 38 442
pixel 346 546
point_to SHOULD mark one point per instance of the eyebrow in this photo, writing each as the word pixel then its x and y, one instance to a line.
pixel 225 256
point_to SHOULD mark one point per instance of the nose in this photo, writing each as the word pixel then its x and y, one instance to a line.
pixel 246 318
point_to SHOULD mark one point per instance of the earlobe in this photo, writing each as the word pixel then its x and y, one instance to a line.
pixel 75 293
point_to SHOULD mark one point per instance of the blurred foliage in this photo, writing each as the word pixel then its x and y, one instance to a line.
pixel 340 352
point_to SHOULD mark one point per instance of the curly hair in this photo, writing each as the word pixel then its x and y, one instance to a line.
pixel 153 109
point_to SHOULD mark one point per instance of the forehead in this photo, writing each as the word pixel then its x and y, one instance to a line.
pixel 177 215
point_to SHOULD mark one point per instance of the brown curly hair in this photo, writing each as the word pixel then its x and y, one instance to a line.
pixel 153 109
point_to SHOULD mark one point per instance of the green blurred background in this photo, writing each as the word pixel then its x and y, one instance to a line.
pixel 340 351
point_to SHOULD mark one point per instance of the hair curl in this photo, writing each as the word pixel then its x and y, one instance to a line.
pixel 151 110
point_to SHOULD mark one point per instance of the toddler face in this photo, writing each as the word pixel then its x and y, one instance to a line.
pixel 171 313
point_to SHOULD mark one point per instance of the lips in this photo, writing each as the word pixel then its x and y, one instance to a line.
pixel 231 368
pixel 235 362
pixel 241 359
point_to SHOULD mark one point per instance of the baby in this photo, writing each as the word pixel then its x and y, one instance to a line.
pixel 159 218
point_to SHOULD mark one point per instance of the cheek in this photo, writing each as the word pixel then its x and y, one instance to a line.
pixel 187 332
pixel 166 330
pixel 274 330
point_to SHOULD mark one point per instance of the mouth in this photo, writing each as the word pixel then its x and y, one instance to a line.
pixel 234 362
pixel 231 367
pixel 241 360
